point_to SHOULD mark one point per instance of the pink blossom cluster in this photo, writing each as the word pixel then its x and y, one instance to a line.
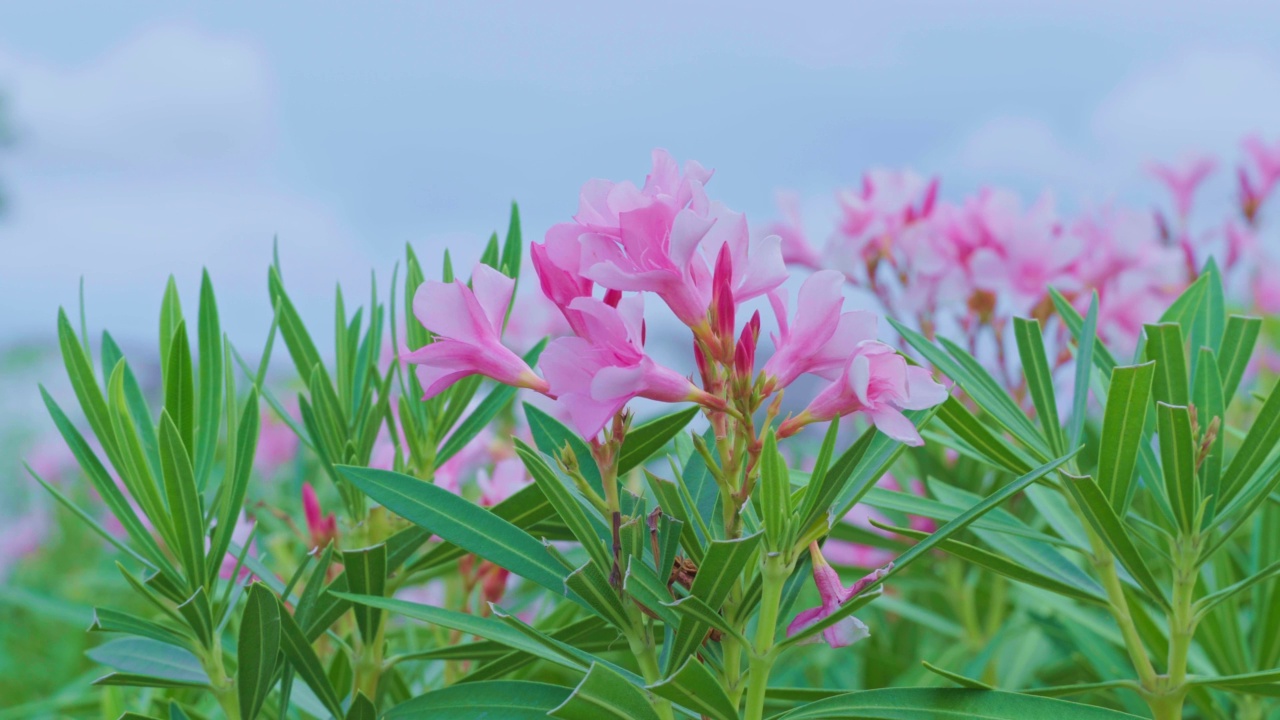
pixel 966 267
pixel 668 240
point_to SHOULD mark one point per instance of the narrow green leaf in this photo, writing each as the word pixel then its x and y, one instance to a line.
pixel 1122 429
pixel 209 401
pixel 694 686
pixel 1165 347
pixel 1102 357
pixel 940 704
pixel 179 389
pixel 602 694
pixel 775 494
pixel 296 339
pixel 1210 404
pixel 367 575
pixel 721 568
pixel 506 699
pixel 996 450
pixel 460 522
pixel 1178 462
pixel 1035 367
pixel 362 708
pixel 1104 520
pixel 155 663
pixel 1238 340
pixel 1258 443
pixel 184 501
pixel 302 657
pixel 1084 364
pixel 551 436
pixel 259 647
pixel 114 621
pixel 587 528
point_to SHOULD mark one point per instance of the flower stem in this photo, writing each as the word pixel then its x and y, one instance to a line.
pixel 774 576
pixel 224 690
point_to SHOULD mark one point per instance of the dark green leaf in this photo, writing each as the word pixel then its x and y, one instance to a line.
pixel 367 575
pixel 259 648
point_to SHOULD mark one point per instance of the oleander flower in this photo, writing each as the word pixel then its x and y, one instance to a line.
pixel 467 323
pixel 877 382
pixel 822 337
pixel 322 528
pixel 1266 160
pixel 796 249
pixel 1183 180
pixel 848 630
pixel 594 374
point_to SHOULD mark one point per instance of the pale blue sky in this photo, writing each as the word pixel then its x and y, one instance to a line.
pixel 159 138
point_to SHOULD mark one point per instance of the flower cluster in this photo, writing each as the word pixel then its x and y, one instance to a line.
pixel 668 240
pixel 965 268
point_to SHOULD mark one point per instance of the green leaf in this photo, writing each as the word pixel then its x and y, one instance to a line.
pixel 996 451
pixel 550 436
pixel 1104 520
pixel 258 649
pixel 1122 429
pixel 512 246
pixel 590 583
pixel 525 508
pixel 1208 323
pixel 488 628
pixel 721 568
pixel 301 348
pixel 302 657
pixel 956 678
pixel 1177 456
pixel 826 484
pixel 1258 443
pixel 603 693
pixel 775 494
pixel 642 441
pixel 587 528
pixel 506 699
pixel 362 708
pixel 1084 364
pixel 1237 348
pixel 1165 347
pixel 367 575
pixel 966 518
pixel 1035 367
pixel 946 704
pixel 460 522
pixel 694 687
pixel 236 483
pixel 106 620
pixel 1207 395
pixel 184 501
pixel 692 609
pixel 1102 357
pixel 170 318
pixel 590 634
pixel 179 389
pixel 154 663
pixel 209 403
pixel 480 418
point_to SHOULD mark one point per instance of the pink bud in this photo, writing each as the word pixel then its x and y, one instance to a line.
pixel 323 528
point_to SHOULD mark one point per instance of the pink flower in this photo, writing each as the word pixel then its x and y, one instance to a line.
pixel 877 382
pixel 1027 255
pixel 322 528
pixel 874 217
pixel 1266 292
pixel 1183 180
pixel 508 477
pixel 593 375
pixel 1241 243
pixel 277 445
pixel 796 249
pixel 848 630
pixel 468 324
pixel 1266 158
pixel 822 337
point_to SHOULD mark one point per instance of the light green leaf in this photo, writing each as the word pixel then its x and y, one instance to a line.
pixel 1035 367
pixel 1128 403
pixel 1177 456
pixel 1104 520
pixel 1237 348
pixel 946 704
pixel 1084 364
pixel 152 660
pixel 604 694
pixel 506 699
pixel 184 501
pixel 694 687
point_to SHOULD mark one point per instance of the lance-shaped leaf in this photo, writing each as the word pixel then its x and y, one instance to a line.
pixel 114 621
pixel 591 634
pixel 150 663
pixel 1206 394
pixel 259 649
pixel 921 703
pixel 994 450
pixel 720 569
pixel 586 528
pixel 209 400
pixel 775 495
pixel 649 591
pixel 1128 402
pixel 590 583
pixel 1084 367
pixel 362 708
pixel 1237 348
pixel 506 699
pixel 1102 357
pixel 827 481
pixel 199 616
pixel 604 694
pixel 184 501
pixel 462 523
pixel 1107 524
pixel 694 687
pixel 551 436
pixel 524 508
pixel 1178 462
pixel 694 610
pixel 488 628
pixel 1035 367
pixel 1165 347
pixel 302 657
pixel 642 441
pixel 367 575
pixel 1258 443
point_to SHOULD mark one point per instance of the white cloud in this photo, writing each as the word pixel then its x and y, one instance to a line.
pixel 156 158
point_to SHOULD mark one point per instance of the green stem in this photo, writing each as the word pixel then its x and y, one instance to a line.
pixel 774 576
pixel 641 641
pixel 223 687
